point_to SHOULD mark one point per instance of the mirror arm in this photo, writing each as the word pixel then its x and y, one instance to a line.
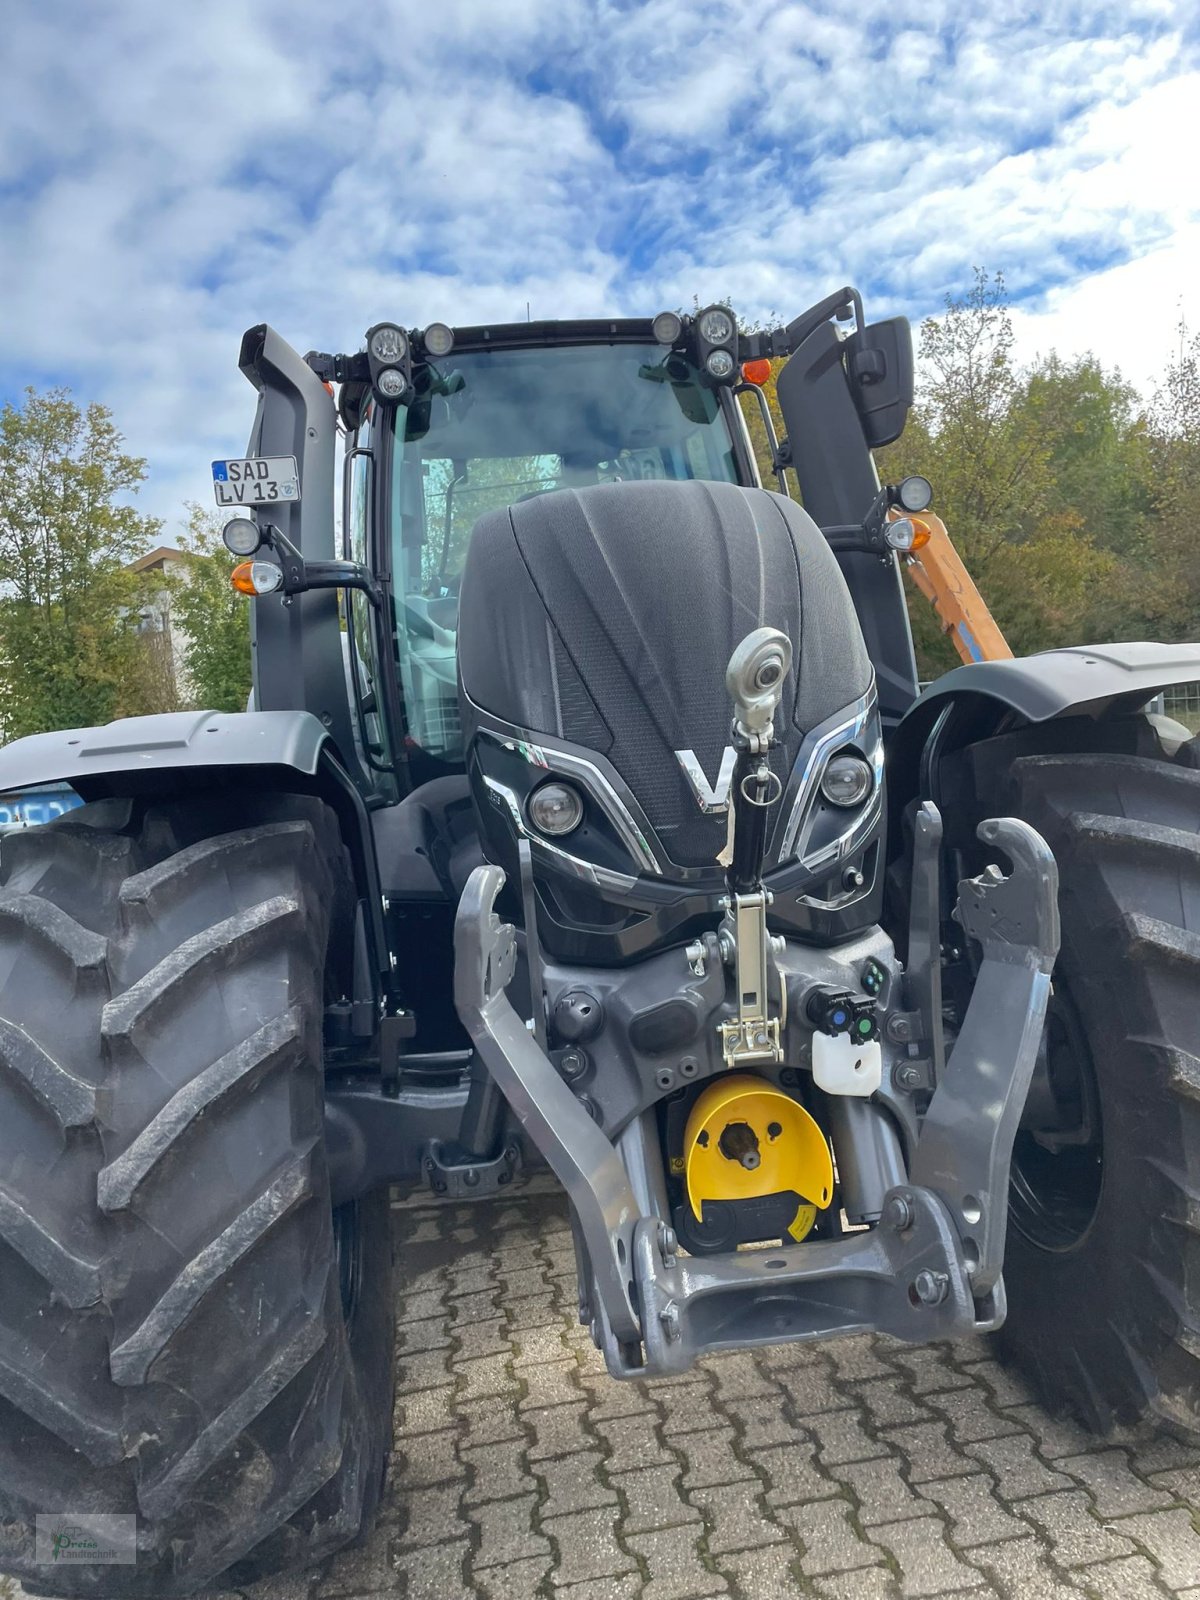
pixel 299 575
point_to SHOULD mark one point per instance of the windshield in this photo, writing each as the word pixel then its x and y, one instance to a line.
pixel 496 426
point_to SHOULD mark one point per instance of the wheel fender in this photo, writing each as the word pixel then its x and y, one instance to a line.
pixel 1085 680
pixel 89 759
pixel 173 751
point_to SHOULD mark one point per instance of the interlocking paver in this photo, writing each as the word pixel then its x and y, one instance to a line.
pixel 674 1567
pixel 764 1420
pixel 1017 1469
pixel 872 1584
pixel 498 1471
pixel 791 1474
pixel 482 1307
pixel 586 1545
pixel 970 1415
pixel 574 1484
pixel 690 1409
pixel 558 1431
pixel 1172 1540
pixel 1114 1489
pixel 432 1516
pixel 859 1470
pixel 843 1436
pixel 858 1360
pixel 653 1499
pixel 491 1338
pixel 430 1369
pixel 764 1574
pixel 436 1573
pixel 506 1532
pixel 929 1368
pixel 1056 1436
pixel 536 1311
pixel 735 1520
pixel 552 1384
pixel 810 1388
pixel 927 1564
pixel 632 1443
pixel 1021 1568
pixel 486 1375
pixel 491 1420
pixel 1076 1535
pixel 711 1459
pixel 1133 1578
pixel 928 1453
pixel 609 1399
pixel 737 1376
pixel 538 1345
pixel 881 1491
pixel 425 1411
pixel 830 1540
pixel 627 1588
pixel 974 1511
pixel 516 1581
pixel 427 1459
pixel 888 1404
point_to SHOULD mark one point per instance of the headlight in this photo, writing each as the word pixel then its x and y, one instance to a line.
pixel 716 325
pixel 847 781
pixel 439 339
pixel 389 344
pixel 241 536
pixel 667 327
pixel 555 809
pixel 718 363
pixel 391 383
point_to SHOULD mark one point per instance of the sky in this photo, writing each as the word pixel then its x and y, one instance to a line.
pixel 172 174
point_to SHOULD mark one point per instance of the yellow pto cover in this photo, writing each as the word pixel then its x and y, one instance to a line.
pixel 745 1139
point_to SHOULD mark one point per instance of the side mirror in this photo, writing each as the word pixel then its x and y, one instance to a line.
pixel 879 365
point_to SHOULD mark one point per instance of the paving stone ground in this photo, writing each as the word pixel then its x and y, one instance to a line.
pixel 856 1470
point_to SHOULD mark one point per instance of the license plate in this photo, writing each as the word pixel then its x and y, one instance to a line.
pixel 256 481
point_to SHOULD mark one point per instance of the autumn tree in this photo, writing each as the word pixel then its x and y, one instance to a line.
pixel 73 618
pixel 1023 463
pixel 1169 604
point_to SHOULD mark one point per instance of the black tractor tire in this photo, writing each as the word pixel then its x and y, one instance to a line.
pixel 188 1333
pixel 1102 1264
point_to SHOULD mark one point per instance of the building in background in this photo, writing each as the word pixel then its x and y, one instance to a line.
pixel 164 636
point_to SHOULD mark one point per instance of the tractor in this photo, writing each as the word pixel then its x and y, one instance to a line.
pixel 587 817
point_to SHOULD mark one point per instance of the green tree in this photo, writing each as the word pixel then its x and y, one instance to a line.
pixel 213 618
pixel 71 613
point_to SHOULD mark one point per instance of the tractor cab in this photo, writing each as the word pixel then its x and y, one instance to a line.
pixel 493 424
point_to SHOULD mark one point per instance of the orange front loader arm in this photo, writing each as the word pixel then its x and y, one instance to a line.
pixel 939 573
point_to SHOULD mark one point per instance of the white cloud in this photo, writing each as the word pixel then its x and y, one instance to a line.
pixel 1129 315
pixel 171 175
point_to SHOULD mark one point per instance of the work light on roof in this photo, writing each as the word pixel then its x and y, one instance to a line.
pixel 438 339
pixel 667 327
pixel 716 325
pixel 391 383
pixel 389 343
